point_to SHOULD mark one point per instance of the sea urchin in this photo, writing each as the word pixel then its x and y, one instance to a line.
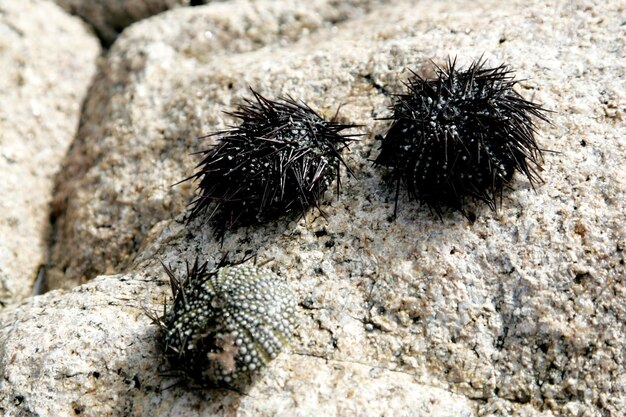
pixel 225 325
pixel 463 133
pixel 280 159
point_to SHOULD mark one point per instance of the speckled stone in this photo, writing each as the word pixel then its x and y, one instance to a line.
pixel 93 352
pixel 517 312
pixel 110 17
pixel 47 60
pixel 133 108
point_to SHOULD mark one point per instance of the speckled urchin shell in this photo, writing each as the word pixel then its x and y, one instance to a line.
pixel 225 325
pixel 463 133
pixel 278 161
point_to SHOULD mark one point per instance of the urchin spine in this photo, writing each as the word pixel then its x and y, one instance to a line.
pixel 279 160
pixel 463 133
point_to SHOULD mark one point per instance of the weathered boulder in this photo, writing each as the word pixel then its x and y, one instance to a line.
pixel 138 128
pixel 110 17
pixel 517 312
pixel 48 59
pixel 92 352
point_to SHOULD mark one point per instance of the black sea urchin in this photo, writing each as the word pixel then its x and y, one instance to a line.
pixel 225 325
pixel 279 160
pixel 461 134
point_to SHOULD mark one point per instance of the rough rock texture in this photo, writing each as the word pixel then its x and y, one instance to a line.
pixel 138 128
pixel 104 361
pixel 48 59
pixel 110 17
pixel 514 313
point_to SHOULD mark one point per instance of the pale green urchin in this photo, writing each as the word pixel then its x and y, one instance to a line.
pixel 225 325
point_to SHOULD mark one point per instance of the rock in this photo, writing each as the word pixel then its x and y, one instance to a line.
pixel 112 192
pixel 103 360
pixel 511 313
pixel 110 17
pixel 47 60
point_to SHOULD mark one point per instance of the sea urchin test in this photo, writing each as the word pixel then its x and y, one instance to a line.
pixel 225 325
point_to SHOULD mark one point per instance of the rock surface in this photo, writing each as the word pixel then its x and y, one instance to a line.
pixel 514 313
pixel 48 59
pixel 104 361
pixel 138 130
pixel 110 17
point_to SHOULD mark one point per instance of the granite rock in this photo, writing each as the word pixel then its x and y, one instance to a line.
pixel 103 360
pixel 137 130
pixel 48 59
pixel 110 17
pixel 517 312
